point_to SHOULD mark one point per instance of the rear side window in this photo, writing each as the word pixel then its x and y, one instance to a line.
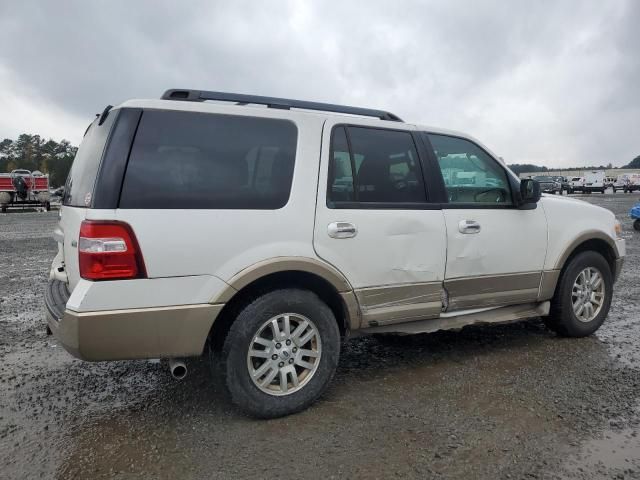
pixel 374 166
pixel 209 161
pixel 82 177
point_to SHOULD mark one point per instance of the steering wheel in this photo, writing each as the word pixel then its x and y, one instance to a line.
pixel 400 184
pixel 499 198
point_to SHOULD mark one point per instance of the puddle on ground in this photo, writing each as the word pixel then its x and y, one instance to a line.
pixel 616 451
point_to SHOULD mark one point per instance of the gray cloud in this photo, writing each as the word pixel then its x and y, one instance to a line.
pixel 552 83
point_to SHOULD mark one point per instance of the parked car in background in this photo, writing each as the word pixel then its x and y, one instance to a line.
pixel 262 236
pixel 635 215
pixel 564 183
pixel 576 184
pixel 548 184
pixel 594 181
pixel 609 182
pixel 630 182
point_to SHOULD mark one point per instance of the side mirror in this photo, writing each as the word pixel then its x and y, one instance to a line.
pixel 529 192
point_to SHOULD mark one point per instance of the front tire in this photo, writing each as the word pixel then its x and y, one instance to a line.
pixel 281 353
pixel 583 296
pixel 636 225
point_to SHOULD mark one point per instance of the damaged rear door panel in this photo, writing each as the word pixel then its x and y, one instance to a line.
pixel 375 224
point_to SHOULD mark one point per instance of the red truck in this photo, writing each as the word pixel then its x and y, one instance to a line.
pixel 23 188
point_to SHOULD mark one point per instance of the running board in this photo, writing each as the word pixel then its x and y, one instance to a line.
pixel 457 320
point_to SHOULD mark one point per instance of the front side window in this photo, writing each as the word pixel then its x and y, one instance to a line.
pixel 209 161
pixel 470 174
pixel 370 165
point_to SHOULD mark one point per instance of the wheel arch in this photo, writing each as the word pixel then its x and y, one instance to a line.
pixel 595 241
pixel 592 241
pixel 286 272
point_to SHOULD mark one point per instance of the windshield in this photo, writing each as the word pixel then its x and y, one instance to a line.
pixel 543 179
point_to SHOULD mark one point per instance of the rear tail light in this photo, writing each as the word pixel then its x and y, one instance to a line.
pixel 109 251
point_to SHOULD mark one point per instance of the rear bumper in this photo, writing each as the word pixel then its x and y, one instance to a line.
pixel 163 332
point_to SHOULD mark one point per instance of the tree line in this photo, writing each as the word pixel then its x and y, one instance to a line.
pixel 519 168
pixel 32 152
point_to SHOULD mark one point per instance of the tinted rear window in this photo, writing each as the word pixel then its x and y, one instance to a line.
pixel 209 161
pixel 82 177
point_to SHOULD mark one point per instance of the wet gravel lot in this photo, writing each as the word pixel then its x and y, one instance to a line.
pixel 510 401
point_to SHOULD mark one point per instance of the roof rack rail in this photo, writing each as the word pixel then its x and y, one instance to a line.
pixel 273 102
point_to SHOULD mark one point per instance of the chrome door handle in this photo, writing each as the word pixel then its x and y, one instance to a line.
pixel 469 226
pixel 342 230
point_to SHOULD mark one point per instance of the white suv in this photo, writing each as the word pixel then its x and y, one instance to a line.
pixel 264 235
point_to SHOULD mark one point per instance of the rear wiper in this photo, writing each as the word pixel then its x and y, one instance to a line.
pixel 104 114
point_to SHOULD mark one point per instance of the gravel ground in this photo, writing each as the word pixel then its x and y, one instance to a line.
pixel 510 401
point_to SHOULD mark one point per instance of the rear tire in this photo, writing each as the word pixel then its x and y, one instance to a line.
pixel 572 289
pixel 636 225
pixel 285 355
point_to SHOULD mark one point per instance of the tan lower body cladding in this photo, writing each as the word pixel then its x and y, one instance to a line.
pixel 388 305
pixel 492 291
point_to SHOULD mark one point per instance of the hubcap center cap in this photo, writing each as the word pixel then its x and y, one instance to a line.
pixel 284 355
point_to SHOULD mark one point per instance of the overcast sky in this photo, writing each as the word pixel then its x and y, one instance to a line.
pixel 555 83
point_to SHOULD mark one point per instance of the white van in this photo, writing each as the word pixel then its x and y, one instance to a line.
pixel 594 181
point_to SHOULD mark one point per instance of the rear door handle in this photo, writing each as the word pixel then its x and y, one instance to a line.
pixel 469 226
pixel 342 230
